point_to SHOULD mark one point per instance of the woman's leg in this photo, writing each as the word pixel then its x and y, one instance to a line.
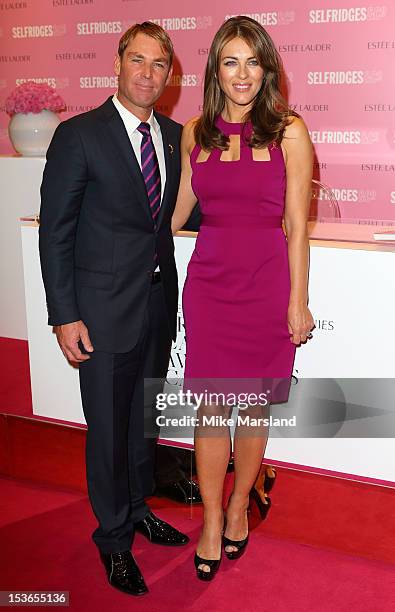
pixel 259 485
pixel 270 471
pixel 249 449
pixel 212 451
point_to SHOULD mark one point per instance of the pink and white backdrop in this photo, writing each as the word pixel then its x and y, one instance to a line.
pixel 338 56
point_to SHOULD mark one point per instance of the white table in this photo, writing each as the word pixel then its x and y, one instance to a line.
pixel 352 297
pixel 20 194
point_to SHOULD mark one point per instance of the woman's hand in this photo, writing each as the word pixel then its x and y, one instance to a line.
pixel 300 322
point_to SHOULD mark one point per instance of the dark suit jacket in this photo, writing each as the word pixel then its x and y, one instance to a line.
pixel 97 237
pixel 193 223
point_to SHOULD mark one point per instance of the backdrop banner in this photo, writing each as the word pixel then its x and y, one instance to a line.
pixel 338 64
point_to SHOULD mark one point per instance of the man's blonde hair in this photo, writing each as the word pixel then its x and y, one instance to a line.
pixel 149 29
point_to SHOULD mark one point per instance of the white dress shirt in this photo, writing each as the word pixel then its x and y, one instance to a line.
pixel 131 123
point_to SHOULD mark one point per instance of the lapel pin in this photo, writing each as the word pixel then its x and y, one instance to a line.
pixel 171 149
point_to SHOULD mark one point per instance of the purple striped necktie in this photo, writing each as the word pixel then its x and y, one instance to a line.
pixel 150 169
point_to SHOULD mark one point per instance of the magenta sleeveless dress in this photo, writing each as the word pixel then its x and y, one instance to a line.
pixel 236 294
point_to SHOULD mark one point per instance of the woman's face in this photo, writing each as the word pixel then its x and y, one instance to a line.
pixel 240 75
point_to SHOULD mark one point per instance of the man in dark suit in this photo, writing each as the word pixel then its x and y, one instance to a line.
pixel 107 258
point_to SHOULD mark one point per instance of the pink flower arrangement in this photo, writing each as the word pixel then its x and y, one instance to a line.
pixel 31 97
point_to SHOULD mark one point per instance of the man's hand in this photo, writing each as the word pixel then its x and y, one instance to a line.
pixel 68 337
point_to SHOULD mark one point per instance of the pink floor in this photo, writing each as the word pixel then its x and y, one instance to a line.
pixel 328 544
pixel 45 545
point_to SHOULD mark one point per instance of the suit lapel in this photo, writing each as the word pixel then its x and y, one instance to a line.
pixel 125 154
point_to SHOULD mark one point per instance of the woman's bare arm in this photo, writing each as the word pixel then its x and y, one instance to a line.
pixel 298 152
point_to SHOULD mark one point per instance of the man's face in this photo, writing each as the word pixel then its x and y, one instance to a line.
pixel 143 73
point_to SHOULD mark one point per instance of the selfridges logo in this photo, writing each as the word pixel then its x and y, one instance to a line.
pixel 98 82
pixel 273 18
pixel 12 6
pixel 345 194
pixel 39 31
pixel 52 81
pixel 346 137
pixel 89 28
pixel 14 59
pixel 347 15
pixel 173 24
pixel 75 56
pixel 178 350
pixel 184 80
pixel 56 3
pixel 305 47
pixel 344 77
pixel 310 108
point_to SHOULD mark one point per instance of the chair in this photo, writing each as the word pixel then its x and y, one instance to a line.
pixel 324 204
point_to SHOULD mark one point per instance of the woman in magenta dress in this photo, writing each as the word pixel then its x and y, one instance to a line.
pixel 248 160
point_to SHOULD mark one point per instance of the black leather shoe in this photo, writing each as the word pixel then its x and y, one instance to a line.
pixel 185 491
pixel 123 572
pixel 160 532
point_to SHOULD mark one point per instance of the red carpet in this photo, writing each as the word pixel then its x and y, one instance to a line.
pixel 327 544
pixel 45 543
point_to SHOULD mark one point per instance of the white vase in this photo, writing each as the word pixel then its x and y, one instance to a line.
pixel 31 133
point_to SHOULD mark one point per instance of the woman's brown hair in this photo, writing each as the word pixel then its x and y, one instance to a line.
pixel 270 112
